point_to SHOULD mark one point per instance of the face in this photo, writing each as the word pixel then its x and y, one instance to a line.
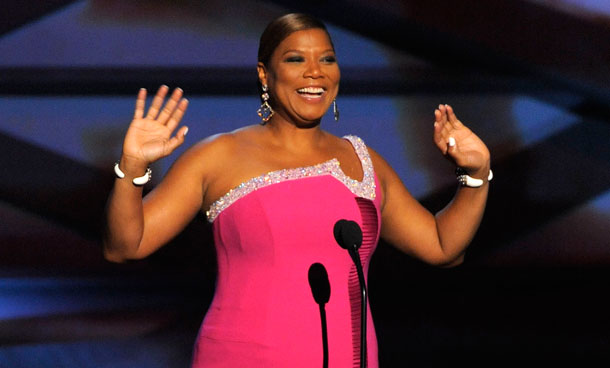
pixel 303 76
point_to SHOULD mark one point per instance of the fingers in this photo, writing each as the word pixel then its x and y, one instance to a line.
pixel 177 140
pixel 140 102
pixel 169 107
pixel 440 115
pixel 447 115
pixel 446 125
pixel 441 129
pixel 153 111
pixel 177 114
pixel 172 112
pixel 452 118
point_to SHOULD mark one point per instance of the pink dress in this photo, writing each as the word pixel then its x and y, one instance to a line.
pixel 268 232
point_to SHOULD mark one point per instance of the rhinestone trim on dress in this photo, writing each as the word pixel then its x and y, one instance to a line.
pixel 364 188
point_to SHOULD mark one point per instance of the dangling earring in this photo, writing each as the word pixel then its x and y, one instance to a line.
pixel 265 111
pixel 335 110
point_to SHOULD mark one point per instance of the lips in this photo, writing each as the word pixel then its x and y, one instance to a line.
pixel 311 92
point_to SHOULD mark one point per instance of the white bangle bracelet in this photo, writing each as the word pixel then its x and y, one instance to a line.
pixel 467 181
pixel 140 180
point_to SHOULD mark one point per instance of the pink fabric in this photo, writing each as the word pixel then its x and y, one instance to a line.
pixel 263 313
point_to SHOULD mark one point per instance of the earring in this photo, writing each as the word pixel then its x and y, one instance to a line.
pixel 335 110
pixel 265 111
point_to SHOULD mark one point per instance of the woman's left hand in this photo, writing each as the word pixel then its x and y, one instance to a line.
pixel 459 144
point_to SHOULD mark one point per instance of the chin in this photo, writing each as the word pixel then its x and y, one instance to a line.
pixel 312 117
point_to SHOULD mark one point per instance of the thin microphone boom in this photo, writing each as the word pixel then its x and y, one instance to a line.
pixel 349 236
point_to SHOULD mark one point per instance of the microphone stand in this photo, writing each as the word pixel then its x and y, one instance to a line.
pixel 324 336
pixel 363 295
pixel 349 236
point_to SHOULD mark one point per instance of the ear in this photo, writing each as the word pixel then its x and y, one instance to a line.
pixel 262 73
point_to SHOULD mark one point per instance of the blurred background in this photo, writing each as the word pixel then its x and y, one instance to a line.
pixel 531 77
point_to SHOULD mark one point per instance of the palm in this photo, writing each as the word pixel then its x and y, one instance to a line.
pixel 149 137
pixel 469 151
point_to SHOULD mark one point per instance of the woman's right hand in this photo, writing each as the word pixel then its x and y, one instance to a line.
pixel 149 136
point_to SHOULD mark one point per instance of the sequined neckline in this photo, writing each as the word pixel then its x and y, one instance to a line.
pixel 364 188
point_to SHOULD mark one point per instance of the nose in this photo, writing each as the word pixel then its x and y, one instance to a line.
pixel 313 70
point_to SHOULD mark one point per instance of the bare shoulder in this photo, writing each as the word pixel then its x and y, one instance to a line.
pixel 214 145
pixel 201 163
pixel 221 161
pixel 215 150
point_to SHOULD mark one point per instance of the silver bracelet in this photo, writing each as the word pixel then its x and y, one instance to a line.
pixel 139 181
pixel 468 181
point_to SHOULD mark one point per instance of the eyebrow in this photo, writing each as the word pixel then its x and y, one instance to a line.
pixel 295 50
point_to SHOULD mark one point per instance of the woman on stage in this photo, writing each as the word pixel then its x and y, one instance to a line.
pixel 273 192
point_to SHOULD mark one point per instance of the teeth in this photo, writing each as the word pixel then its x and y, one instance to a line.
pixel 311 90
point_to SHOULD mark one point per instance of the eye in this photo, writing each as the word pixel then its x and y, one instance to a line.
pixel 294 59
pixel 329 59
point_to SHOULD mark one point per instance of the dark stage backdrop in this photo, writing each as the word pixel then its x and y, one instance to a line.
pixel 533 284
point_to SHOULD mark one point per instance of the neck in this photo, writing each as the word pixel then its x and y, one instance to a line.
pixel 293 135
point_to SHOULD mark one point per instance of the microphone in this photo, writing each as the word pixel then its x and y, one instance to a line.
pixel 320 289
pixel 349 236
pixel 318 281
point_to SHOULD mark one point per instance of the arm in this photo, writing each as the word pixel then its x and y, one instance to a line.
pixel 135 227
pixel 439 239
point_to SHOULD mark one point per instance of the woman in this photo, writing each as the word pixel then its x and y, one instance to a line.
pixel 273 192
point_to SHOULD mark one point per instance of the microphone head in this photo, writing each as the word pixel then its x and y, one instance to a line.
pixel 318 281
pixel 348 234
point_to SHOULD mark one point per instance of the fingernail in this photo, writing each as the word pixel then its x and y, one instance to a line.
pixel 185 131
pixel 451 141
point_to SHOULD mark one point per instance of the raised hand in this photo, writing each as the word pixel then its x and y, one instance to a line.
pixel 459 144
pixel 149 136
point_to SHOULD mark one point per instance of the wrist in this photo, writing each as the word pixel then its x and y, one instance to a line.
pixel 475 179
pixel 132 167
pixel 481 174
pixel 139 175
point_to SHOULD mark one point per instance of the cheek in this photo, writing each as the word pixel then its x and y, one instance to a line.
pixel 284 86
pixel 286 77
pixel 334 75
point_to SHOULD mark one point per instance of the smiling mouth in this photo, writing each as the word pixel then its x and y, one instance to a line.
pixel 311 91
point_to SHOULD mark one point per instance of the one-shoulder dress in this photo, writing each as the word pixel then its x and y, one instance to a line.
pixel 268 231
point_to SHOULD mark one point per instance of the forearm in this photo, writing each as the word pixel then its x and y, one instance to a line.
pixel 124 216
pixel 458 222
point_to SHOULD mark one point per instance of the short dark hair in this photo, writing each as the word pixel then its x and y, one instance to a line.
pixel 282 27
